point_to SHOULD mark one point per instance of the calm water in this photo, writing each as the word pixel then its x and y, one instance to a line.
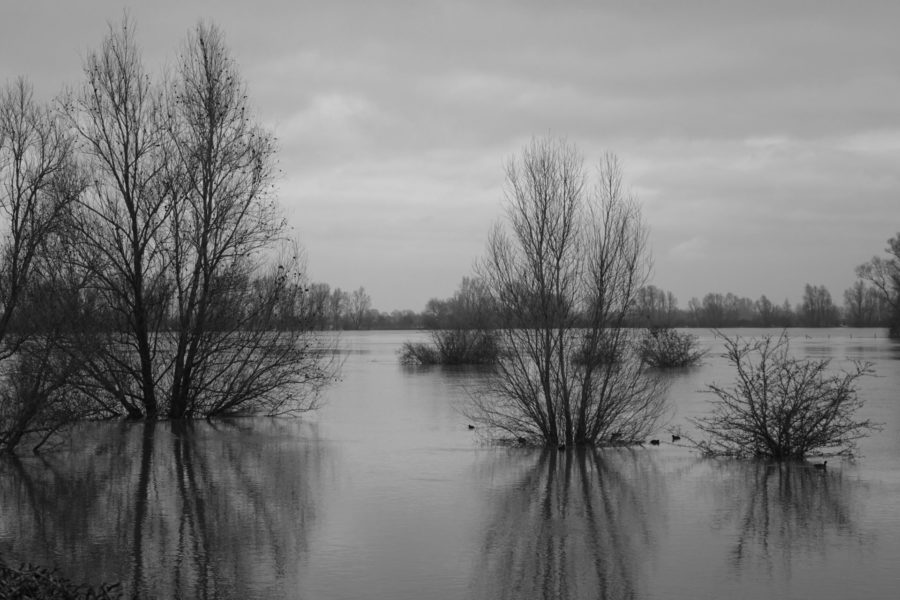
pixel 386 493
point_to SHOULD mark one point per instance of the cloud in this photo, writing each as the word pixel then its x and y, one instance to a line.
pixel 331 119
pixel 762 138
pixel 690 250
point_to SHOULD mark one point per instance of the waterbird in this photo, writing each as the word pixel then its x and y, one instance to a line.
pixel 654 442
pixel 523 441
pixel 676 438
pixel 471 426
pixel 820 466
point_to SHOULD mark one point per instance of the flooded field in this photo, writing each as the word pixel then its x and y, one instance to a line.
pixel 387 493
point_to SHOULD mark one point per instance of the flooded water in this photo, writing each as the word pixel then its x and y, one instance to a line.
pixel 386 493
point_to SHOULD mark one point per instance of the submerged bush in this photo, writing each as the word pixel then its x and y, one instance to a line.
pixel 29 581
pixel 782 407
pixel 419 353
pixel 453 347
pixel 665 348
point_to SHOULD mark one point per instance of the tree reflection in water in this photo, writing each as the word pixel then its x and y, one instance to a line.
pixel 573 524
pixel 783 508
pixel 198 510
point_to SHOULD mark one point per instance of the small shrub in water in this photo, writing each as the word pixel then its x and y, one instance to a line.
pixel 782 407
pixel 453 347
pixel 417 353
pixel 666 348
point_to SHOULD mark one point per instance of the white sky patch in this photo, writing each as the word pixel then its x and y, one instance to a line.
pixel 690 250
pixel 330 114
pixel 878 143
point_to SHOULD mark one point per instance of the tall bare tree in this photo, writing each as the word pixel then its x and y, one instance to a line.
pixel 564 275
pixel 818 310
pixel 358 306
pixel 38 185
pixel 223 220
pixel 182 230
pixel 119 115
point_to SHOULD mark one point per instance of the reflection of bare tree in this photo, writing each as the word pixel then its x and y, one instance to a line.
pixel 193 510
pixel 783 508
pixel 573 524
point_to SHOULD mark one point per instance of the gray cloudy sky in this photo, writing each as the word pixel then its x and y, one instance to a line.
pixel 762 138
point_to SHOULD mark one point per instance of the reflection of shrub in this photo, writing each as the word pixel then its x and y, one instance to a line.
pixel 780 511
pixel 453 347
pixel 29 581
pixel 782 407
pixel 665 348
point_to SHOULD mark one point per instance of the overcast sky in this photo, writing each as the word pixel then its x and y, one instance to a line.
pixel 762 138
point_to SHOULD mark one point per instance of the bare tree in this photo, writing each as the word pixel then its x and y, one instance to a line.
pixel 564 277
pixel 655 307
pixel 181 231
pixel 233 349
pixel 766 310
pixel 38 185
pixel 119 116
pixel 358 307
pixel 336 307
pixel 36 169
pixel 818 310
pixel 884 274
pixel 865 305
pixel 782 407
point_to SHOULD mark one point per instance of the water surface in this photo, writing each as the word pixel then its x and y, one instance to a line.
pixel 386 493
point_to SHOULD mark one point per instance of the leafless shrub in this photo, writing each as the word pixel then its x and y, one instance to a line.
pixel 453 347
pixel 782 407
pixel 666 348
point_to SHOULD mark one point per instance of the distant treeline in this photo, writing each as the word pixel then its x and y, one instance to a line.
pixel 470 308
pixel 863 306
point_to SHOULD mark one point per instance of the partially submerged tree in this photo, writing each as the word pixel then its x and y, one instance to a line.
pixel 234 348
pixel 119 118
pixel 180 232
pixel 782 407
pixel 884 274
pixel 564 275
pixel 38 185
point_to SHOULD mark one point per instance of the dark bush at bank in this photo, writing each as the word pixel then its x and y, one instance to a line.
pixel 29 581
